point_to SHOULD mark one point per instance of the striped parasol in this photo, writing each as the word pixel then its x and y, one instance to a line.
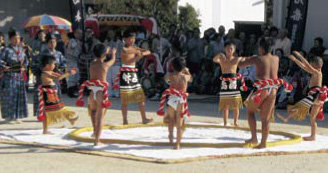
pixel 47 20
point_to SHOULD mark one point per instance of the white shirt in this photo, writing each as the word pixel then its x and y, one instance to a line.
pixel 284 44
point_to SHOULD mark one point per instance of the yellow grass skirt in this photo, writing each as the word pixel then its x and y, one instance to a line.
pixel 230 103
pixel 55 117
pixel 299 111
pixel 137 96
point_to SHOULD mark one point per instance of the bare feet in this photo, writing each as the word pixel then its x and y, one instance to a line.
pixel 147 121
pixel 125 122
pixel 236 124
pixel 93 135
pixel 72 121
pixel 309 138
pixel 177 147
pixel 98 144
pixel 285 120
pixel 171 139
pixel 47 133
pixel 252 141
pixel 225 124
pixel 261 146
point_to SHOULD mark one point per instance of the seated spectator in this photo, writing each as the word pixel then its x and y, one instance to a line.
pixel 318 49
pixel 283 42
pixel 274 33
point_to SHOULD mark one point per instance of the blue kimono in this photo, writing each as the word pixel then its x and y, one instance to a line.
pixel 61 64
pixel 13 95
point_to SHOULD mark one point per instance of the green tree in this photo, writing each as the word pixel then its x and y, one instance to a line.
pixel 188 17
pixel 165 11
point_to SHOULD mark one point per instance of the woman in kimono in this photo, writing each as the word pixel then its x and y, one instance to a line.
pixel 13 95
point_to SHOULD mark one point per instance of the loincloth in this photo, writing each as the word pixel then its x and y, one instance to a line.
pixel 270 85
pixel 175 98
pixel 95 86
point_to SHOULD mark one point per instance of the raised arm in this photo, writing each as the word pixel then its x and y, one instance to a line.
pixel 188 75
pixel 303 60
pixel 308 69
pixel 218 57
pixel 246 61
pixel 137 55
pixel 144 52
pixel 112 61
pixel 66 74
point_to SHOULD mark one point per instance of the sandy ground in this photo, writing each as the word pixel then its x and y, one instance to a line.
pixel 26 159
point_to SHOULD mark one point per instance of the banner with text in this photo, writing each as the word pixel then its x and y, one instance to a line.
pixel 296 22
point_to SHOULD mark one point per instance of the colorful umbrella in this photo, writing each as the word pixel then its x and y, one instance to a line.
pixel 47 20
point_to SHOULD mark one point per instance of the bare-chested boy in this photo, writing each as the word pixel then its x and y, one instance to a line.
pixel 51 108
pixel 312 100
pixel 230 97
pixel 98 98
pixel 266 69
pixel 130 87
pixel 177 102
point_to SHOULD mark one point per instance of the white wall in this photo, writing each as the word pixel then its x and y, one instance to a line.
pixel 316 23
pixel 214 13
pixel 241 10
pixel 280 11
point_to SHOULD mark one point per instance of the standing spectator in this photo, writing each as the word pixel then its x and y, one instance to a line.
pixel 182 41
pixel 13 95
pixel 73 52
pixel 39 43
pixel 87 56
pixel 325 73
pixel 61 61
pixel 251 47
pixel 241 43
pixel 318 49
pixel 2 42
pixel 114 41
pixel 28 52
pixel 189 35
pixel 325 68
pixel 266 32
pixel 60 43
pixel 231 37
pixel 216 46
pixel 161 46
pixel 171 35
pixel 195 52
pixel 274 34
pixel 283 42
pixel 222 31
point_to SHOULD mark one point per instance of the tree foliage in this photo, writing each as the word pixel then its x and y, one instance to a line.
pixel 188 17
pixel 165 11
